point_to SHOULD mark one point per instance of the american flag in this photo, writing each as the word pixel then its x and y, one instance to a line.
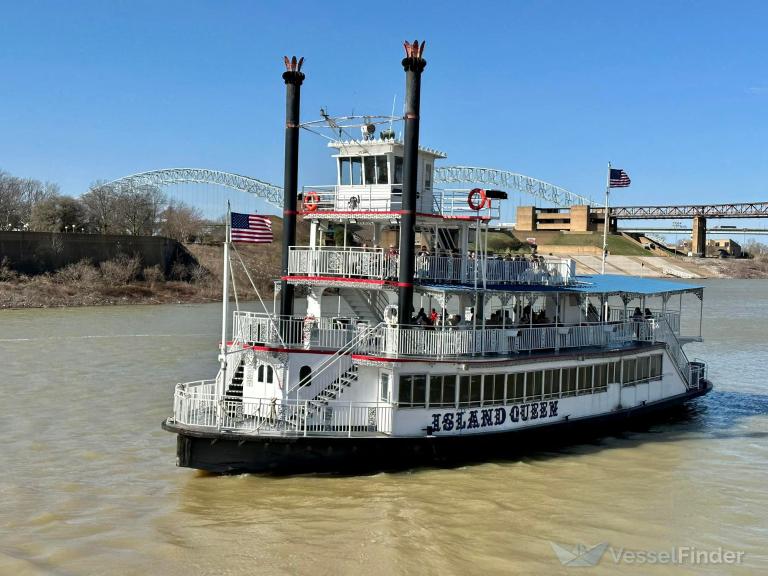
pixel 619 178
pixel 251 228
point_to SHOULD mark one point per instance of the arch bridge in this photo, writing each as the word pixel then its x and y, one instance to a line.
pixel 273 195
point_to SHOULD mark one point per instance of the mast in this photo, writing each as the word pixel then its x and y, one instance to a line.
pixel 607 218
pixel 414 65
pixel 224 306
pixel 293 78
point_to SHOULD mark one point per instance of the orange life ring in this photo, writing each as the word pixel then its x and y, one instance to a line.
pixel 311 200
pixel 476 192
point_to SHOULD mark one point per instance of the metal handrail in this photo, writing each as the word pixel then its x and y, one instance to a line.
pixel 343 351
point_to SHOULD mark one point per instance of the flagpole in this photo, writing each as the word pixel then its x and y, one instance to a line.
pixel 606 219
pixel 224 304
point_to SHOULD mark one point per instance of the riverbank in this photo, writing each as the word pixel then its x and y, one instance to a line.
pixel 124 281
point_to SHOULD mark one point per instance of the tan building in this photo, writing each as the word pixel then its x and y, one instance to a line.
pixel 722 247
pixel 579 218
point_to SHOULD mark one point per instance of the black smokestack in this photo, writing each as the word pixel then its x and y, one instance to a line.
pixel 414 65
pixel 293 77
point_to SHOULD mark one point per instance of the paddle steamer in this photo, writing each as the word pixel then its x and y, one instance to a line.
pixel 406 343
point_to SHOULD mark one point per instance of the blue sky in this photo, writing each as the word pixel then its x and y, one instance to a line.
pixel 676 93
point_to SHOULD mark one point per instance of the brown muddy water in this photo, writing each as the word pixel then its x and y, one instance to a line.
pixel 88 483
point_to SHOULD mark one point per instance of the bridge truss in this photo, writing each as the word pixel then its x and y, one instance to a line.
pixel 509 181
pixel 740 210
pixel 169 176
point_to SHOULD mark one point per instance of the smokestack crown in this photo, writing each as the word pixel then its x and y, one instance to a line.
pixel 413 56
pixel 293 73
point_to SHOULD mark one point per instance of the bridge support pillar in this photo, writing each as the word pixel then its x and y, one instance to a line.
pixel 699 236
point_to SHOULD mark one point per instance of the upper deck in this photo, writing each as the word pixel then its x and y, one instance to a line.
pixel 369 186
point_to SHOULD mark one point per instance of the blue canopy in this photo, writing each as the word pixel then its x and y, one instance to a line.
pixel 595 284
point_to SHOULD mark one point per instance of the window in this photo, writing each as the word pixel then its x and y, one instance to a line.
pixel 533 385
pixel 305 375
pixel 369 163
pixel 614 372
pixel 516 387
pixel 427 176
pixel 264 374
pixel 628 375
pixel 382 177
pixel 585 379
pixel 357 171
pixel 551 383
pixel 470 389
pixel 384 386
pixel 345 171
pixel 413 391
pixel 476 389
pixel 398 179
pixel 601 376
pixel 493 389
pixel 643 365
pixel 568 382
pixel 442 390
pixel 656 364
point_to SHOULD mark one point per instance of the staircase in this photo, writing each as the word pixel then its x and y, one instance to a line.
pixel 334 389
pixel 234 392
pixel 446 239
pixel 365 305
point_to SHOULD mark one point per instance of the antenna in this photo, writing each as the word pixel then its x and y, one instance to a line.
pixel 392 116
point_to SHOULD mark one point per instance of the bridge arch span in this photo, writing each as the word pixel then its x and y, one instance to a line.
pixel 169 176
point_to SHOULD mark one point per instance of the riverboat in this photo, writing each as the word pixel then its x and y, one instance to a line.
pixel 400 341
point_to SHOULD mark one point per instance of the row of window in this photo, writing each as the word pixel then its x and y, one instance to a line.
pixel 424 390
pixel 357 170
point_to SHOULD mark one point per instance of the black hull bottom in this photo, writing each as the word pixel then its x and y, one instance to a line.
pixel 230 454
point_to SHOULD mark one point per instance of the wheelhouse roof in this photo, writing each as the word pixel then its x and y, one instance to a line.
pixel 595 284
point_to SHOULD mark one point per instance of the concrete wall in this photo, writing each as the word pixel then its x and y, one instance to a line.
pixel 37 252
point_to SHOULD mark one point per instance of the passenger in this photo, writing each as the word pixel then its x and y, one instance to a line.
pixel 648 314
pixel 637 316
pixel 433 316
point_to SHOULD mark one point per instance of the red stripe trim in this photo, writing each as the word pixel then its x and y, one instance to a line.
pixel 335 279
pixel 345 279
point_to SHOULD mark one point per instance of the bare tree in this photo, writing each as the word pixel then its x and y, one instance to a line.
pixel 100 204
pixel 18 196
pixel 181 221
pixel 57 214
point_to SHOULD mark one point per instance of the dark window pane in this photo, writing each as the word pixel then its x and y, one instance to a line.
pixel 398 170
pixel 381 170
pixel 404 397
pixel 474 396
pixel 370 169
pixel 344 169
pixel 435 390
pixel 463 390
pixel 419 390
pixel 449 391
pixel 357 171
pixel 498 388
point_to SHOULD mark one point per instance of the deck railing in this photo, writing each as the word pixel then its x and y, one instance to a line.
pixel 371 200
pixel 376 264
pixel 292 331
pixel 406 341
pixel 271 416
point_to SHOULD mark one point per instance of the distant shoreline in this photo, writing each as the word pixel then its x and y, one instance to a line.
pixel 72 291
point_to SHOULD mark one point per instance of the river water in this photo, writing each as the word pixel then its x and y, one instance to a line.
pixel 88 483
